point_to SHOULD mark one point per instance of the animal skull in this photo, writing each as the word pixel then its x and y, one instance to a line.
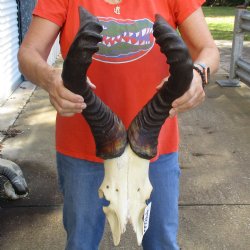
pixel 127 187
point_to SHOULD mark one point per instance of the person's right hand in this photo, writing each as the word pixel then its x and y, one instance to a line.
pixel 64 101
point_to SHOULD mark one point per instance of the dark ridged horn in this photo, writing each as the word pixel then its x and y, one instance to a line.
pixel 14 174
pixel 144 130
pixel 108 131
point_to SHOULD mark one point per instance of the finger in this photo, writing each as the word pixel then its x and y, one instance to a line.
pixel 158 87
pixel 183 99
pixel 65 103
pixel 91 85
pixel 68 105
pixel 64 106
pixel 68 112
pixel 65 114
pixel 194 92
pixel 190 104
pixel 66 94
pixel 172 113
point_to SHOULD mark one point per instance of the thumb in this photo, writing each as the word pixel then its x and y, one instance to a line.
pixel 91 85
pixel 158 87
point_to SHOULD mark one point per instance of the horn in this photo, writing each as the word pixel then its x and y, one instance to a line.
pixel 144 130
pixel 14 174
pixel 108 130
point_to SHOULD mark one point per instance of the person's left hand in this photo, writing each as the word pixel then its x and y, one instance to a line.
pixel 190 99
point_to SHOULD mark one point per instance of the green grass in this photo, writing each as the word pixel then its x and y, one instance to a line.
pixel 220 21
pixel 219 11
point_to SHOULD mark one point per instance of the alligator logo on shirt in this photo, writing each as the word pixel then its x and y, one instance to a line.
pixel 124 40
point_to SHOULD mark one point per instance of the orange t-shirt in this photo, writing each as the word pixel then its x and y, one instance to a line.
pixel 126 69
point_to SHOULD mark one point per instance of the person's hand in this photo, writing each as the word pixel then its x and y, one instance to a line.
pixel 64 101
pixel 191 98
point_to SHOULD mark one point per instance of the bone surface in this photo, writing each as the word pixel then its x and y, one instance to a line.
pixel 139 191
pixel 115 190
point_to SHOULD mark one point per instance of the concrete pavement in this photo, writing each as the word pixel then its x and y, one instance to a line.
pixel 215 181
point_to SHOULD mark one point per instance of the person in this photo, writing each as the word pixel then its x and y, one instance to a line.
pixel 125 74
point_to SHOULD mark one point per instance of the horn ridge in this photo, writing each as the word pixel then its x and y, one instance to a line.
pixel 181 64
pixel 144 130
pixel 108 131
pixel 13 173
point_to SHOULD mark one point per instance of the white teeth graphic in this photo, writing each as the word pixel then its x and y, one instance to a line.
pixel 143 32
pixel 112 40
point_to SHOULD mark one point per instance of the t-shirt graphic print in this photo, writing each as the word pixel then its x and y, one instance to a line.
pixel 124 40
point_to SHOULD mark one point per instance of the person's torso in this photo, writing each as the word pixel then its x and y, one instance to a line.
pixel 126 69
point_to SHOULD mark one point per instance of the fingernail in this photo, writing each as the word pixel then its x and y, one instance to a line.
pixel 172 113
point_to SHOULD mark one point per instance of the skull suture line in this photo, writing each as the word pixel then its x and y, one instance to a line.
pixel 126 154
